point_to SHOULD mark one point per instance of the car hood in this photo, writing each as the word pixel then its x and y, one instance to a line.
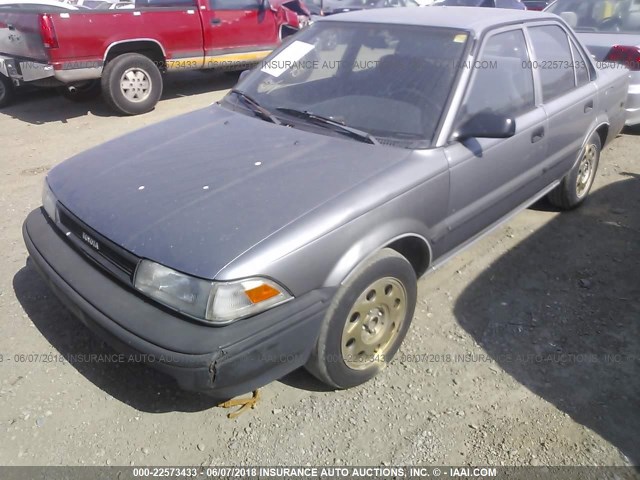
pixel 197 191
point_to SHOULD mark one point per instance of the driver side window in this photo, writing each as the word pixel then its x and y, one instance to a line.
pixel 502 82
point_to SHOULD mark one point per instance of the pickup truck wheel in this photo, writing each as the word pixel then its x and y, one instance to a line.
pixel 366 321
pixel 81 92
pixel 576 184
pixel 6 91
pixel 131 84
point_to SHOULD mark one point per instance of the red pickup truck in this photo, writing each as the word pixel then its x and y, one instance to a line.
pixel 124 53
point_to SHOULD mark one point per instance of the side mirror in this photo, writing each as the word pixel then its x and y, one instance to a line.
pixel 486 125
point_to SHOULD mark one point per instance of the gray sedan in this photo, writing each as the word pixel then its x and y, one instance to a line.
pixel 611 31
pixel 287 225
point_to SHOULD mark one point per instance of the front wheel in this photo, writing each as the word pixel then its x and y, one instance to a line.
pixel 131 84
pixel 6 91
pixel 366 321
pixel 576 185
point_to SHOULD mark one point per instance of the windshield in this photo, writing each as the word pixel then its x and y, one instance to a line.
pixel 599 15
pixel 389 81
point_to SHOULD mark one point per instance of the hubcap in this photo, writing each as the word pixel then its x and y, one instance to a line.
pixel 586 170
pixel 373 323
pixel 135 85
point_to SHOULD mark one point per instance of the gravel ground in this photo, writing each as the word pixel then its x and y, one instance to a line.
pixel 524 350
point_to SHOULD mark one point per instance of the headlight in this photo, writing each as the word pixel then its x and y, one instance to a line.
pixel 214 302
pixel 49 202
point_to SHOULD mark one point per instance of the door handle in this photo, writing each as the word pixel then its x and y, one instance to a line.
pixel 216 21
pixel 537 135
pixel 588 106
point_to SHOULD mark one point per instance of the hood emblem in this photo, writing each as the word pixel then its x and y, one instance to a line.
pixel 91 241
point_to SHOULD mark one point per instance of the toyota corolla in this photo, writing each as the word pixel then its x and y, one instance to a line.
pixel 287 225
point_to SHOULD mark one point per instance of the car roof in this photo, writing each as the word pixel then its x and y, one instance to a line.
pixel 477 19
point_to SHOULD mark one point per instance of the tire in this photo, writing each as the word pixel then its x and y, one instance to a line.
pixel 144 86
pixel 81 92
pixel 7 91
pixel 575 186
pixel 358 320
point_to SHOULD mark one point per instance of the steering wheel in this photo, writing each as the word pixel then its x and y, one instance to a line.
pixel 412 94
pixel 610 24
pixel 428 107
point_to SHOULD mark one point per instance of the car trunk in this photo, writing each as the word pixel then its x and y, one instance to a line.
pixel 20 35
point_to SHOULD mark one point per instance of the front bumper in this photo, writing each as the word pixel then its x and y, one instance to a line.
pixel 225 361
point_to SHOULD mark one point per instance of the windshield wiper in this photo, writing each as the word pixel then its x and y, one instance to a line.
pixel 334 125
pixel 255 107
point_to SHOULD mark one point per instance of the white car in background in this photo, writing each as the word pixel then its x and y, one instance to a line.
pixel 101 4
pixel 611 31
pixel 44 5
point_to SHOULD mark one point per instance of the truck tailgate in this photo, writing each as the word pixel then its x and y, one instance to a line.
pixel 20 35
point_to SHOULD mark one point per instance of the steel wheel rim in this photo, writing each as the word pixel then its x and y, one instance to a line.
pixel 374 323
pixel 135 85
pixel 585 170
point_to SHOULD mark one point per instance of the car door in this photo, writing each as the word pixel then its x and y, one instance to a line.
pixel 489 177
pixel 569 97
pixel 238 30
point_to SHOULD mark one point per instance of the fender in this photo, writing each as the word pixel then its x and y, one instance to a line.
pixel 599 122
pixel 377 239
pixel 132 40
pixel 290 14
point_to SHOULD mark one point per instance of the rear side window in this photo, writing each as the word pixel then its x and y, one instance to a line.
pixel 553 60
pixel 580 64
pixel 503 81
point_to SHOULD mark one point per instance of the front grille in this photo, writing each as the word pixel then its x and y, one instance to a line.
pixel 98 248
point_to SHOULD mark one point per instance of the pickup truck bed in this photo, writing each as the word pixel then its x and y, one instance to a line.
pixel 124 52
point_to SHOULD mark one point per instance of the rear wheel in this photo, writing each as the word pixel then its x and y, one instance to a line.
pixel 575 186
pixel 366 321
pixel 81 92
pixel 131 84
pixel 6 91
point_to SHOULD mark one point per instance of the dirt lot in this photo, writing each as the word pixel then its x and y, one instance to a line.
pixel 525 349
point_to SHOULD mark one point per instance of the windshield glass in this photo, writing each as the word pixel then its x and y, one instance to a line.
pixel 389 81
pixel 599 15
